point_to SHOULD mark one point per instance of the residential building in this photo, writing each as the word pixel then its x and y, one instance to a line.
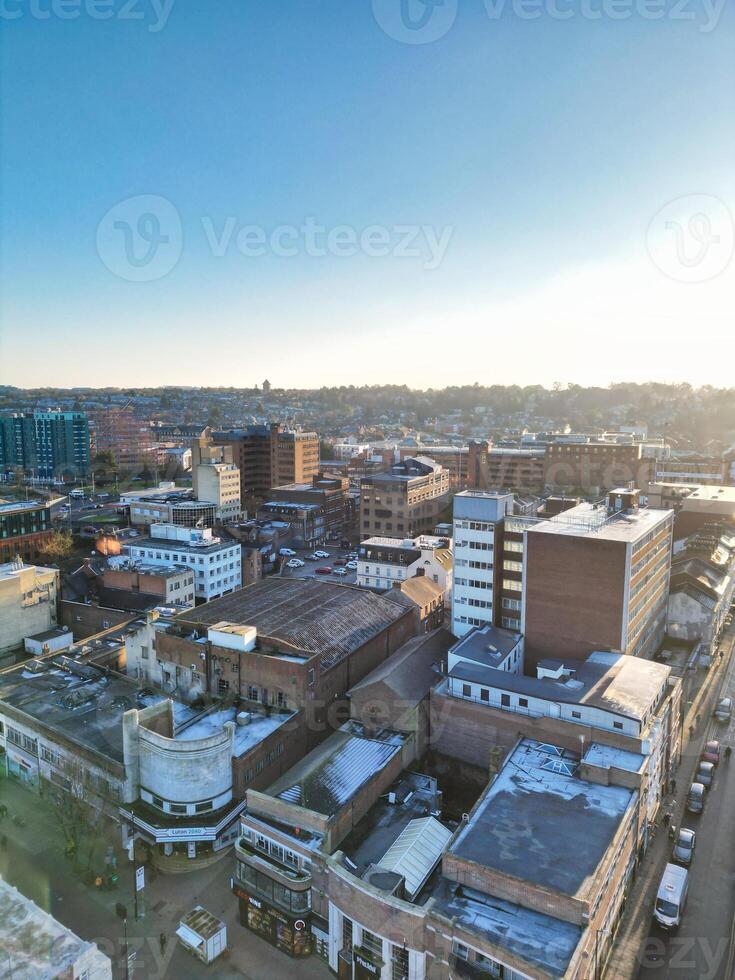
pixel 383 561
pixel 215 478
pixel 478 517
pixel 270 456
pixel 25 527
pixel 28 596
pixel 214 562
pixel 291 644
pixel 426 597
pixel 48 445
pixel 596 577
pixel 119 432
pixel 35 944
pixel 405 501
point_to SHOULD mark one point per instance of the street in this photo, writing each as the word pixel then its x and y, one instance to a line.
pixel 703 947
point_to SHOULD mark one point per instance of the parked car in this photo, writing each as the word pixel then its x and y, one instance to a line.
pixel 340 571
pixel 295 563
pixel 340 561
pixel 711 752
pixel 286 552
pixel 313 557
pixel 723 711
pixel 705 774
pixel 322 554
pixel 352 565
pixel 683 850
pixel 353 556
pixel 326 570
pixel 695 798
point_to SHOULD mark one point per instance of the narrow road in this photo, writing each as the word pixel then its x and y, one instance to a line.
pixel 704 945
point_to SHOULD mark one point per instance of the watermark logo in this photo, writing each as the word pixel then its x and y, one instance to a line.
pixel 141 239
pixel 153 13
pixel 691 239
pixel 415 21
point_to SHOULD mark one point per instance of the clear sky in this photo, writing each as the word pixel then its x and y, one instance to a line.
pixel 347 192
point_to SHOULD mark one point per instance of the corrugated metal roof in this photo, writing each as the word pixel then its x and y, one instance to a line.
pixel 416 852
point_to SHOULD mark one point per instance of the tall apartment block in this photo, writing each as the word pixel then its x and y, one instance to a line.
pixel 404 502
pixel 119 432
pixel 215 478
pixel 47 444
pixel 596 577
pixel 270 456
pixel 477 530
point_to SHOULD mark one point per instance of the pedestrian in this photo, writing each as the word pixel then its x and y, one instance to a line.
pixel 4 842
pixel 162 942
pixel 673 786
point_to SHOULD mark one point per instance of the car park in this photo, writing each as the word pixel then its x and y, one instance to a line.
pixel 723 711
pixel 711 752
pixel 684 843
pixel 705 774
pixel 322 554
pixel 325 570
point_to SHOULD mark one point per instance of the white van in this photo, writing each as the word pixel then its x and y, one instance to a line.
pixel 671 898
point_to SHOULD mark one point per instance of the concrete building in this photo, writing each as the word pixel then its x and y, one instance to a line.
pixel 215 478
pixel 35 944
pixel 174 507
pixel 270 456
pixel 498 468
pixel 383 561
pixel 25 527
pixel 594 466
pixel 696 505
pixel 28 596
pixel 487 646
pixel 322 508
pixel 687 467
pixel 596 577
pixel 406 501
pixel 215 563
pixel 48 641
pixel 46 444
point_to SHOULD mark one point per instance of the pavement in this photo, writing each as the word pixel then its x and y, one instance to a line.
pixel 704 946
pixel 33 860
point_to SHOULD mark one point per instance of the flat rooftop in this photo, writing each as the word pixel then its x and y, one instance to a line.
pixel 11 569
pixel 596 521
pixel 713 494
pixel 246 736
pixel 318 618
pixel 539 939
pixel 82 702
pixel 622 685
pixel 608 757
pixel 35 945
pixel 487 645
pixel 332 774
pixel 539 822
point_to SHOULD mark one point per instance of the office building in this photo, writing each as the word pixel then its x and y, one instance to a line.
pixel 47 445
pixel 215 478
pixel 127 438
pixel 499 468
pixel 596 577
pixel 405 501
pixel 25 527
pixel 214 562
pixel 594 466
pixel 270 456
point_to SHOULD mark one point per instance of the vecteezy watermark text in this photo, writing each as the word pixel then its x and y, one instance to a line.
pixel 424 21
pixel 141 239
pixel 154 13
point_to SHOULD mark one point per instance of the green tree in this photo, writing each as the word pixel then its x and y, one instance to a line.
pixel 59 546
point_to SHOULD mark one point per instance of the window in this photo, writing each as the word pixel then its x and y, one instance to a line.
pixel 157 801
pixel 523 702
pixel 203 807
pixel 372 944
pixel 178 808
pixel 576 714
pixel 461 951
pixel 399 963
pixel 466 691
pixel 505 700
pixel 347 933
pixel 617 724
pixel 484 694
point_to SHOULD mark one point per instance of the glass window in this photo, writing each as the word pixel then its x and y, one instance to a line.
pixel 372 944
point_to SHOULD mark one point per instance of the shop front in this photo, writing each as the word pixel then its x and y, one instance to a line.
pixel 22 768
pixel 186 841
pixel 287 931
pixel 366 965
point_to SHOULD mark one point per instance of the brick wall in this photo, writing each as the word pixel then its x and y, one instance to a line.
pixel 83 620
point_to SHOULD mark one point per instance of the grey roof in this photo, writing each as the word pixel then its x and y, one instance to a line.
pixel 334 772
pixel 622 685
pixel 315 617
pixel 534 937
pixel 416 852
pixel 539 822
pixel 487 645
pixel 49 634
pixel 409 674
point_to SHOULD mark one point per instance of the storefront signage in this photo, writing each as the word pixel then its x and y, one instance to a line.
pixel 362 964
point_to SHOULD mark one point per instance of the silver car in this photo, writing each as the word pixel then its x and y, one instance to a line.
pixel 684 844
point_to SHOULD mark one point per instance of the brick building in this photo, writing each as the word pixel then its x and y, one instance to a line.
pixel 405 501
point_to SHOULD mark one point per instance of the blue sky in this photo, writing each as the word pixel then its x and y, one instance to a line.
pixel 542 153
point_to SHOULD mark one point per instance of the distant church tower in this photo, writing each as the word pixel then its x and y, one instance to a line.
pixel 266 386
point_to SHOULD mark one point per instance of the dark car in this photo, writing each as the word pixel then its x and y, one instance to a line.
pixel 705 774
pixel 711 752
pixel 340 561
pixel 326 570
pixel 684 844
